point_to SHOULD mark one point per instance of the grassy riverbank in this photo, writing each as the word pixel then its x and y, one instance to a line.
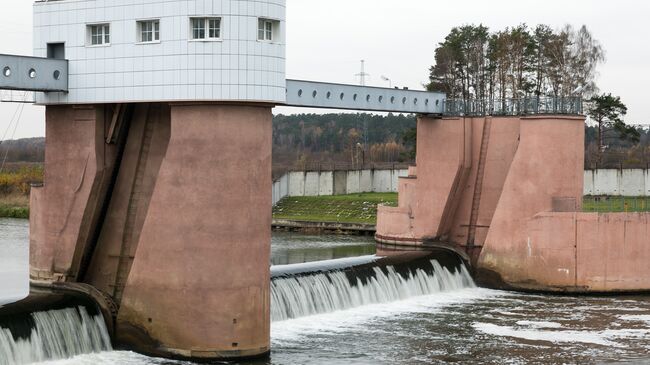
pixel 362 208
pixel 353 208
pixel 15 185
pixel 14 206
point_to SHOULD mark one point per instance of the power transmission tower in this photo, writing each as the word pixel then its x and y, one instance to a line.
pixel 362 81
pixel 362 75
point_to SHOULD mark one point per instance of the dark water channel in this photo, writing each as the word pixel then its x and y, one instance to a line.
pixel 460 324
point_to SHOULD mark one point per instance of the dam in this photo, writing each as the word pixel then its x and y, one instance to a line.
pixel 134 225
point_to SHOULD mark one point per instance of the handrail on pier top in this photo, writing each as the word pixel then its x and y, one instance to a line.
pixel 571 105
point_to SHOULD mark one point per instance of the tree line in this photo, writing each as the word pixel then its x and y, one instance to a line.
pixel 335 132
pixel 475 63
pixel 22 150
pixel 354 139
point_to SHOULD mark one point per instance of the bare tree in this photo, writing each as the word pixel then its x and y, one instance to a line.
pixel 586 54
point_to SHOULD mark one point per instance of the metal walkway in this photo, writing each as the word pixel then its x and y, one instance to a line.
pixel 311 94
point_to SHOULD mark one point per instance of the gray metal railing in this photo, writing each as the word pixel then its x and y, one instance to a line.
pixel 524 106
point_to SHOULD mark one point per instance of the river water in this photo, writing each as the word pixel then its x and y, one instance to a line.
pixel 14 256
pixel 293 248
pixel 434 317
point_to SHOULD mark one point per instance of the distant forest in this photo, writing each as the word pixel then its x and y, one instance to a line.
pixel 23 150
pixel 618 153
pixel 306 140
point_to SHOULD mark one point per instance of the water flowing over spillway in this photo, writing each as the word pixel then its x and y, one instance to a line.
pixel 299 296
pixel 56 334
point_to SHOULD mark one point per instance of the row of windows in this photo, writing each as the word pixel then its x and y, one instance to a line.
pixel 201 28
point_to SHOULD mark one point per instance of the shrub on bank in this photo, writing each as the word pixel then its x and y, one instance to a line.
pixel 15 185
pixel 20 180
pixel 14 212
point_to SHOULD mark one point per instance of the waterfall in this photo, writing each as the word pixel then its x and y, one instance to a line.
pixel 56 334
pixel 299 296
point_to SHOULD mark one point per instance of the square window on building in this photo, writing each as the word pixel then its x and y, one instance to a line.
pixel 149 31
pixel 205 28
pixel 99 34
pixel 267 29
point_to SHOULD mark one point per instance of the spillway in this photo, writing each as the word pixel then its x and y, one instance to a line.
pixel 73 326
pixel 53 335
pixel 294 296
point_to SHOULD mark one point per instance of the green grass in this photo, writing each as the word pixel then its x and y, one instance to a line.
pixel 14 206
pixel 615 204
pixel 362 208
pixel 9 211
pixel 353 208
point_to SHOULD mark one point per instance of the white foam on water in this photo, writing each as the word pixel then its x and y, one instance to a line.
pixel 544 335
pixel 58 334
pixel 539 324
pixel 360 319
pixel 605 337
pixel 507 313
pixel 628 333
pixel 111 358
pixel 636 317
pixel 619 307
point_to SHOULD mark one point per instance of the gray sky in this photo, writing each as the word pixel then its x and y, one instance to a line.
pixel 326 40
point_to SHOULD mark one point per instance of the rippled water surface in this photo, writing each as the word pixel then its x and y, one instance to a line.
pixel 469 325
pixel 14 258
pixel 292 248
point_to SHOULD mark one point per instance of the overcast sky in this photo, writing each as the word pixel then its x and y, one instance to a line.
pixel 397 38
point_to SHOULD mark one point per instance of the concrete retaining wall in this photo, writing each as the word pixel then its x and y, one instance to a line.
pixel 281 188
pixel 598 252
pixel 626 182
pixel 317 183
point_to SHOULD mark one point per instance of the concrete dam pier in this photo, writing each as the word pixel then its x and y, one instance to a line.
pixel 143 220
pixel 157 167
pixel 508 191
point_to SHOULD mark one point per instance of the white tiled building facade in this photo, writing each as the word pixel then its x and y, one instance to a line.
pixel 236 60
